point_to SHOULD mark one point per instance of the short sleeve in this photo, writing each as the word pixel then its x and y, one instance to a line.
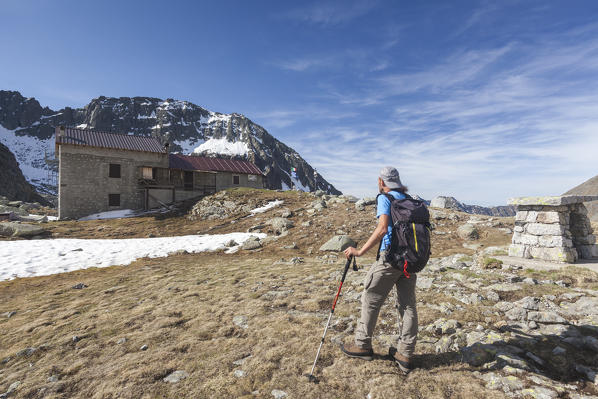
pixel 383 206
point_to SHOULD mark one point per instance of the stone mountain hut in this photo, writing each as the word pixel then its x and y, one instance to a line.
pixel 100 171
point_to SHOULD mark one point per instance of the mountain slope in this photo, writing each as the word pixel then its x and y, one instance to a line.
pixel 28 130
pixel 12 182
pixel 589 187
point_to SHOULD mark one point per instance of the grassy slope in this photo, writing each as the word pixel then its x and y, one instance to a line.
pixel 182 307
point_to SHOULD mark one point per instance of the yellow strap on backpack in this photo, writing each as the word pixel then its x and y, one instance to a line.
pixel 415 235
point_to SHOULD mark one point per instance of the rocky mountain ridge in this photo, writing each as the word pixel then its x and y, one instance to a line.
pixel 28 130
pixel 453 203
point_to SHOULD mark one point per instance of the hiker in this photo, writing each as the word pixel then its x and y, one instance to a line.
pixel 380 279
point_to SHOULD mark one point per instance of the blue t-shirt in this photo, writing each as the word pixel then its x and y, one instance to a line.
pixel 383 208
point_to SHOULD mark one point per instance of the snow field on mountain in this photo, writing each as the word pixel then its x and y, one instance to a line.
pixel 223 147
pixel 29 258
pixel 29 152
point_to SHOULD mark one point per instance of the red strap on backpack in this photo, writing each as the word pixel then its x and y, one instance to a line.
pixel 405 270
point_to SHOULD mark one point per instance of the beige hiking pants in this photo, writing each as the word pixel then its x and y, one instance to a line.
pixel 378 282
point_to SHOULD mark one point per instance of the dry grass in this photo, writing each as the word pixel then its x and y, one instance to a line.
pixel 182 308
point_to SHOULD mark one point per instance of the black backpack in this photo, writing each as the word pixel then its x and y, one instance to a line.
pixel 410 240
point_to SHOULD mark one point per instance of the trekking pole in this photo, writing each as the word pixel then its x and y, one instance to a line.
pixel 311 376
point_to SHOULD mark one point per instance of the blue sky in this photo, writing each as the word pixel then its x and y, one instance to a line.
pixel 480 100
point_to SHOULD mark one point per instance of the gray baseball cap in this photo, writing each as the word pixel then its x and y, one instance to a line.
pixel 391 177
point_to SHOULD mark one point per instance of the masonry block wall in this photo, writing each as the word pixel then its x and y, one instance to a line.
pixel 553 228
pixel 84 184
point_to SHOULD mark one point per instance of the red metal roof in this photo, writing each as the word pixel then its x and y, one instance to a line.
pixel 96 138
pixel 189 162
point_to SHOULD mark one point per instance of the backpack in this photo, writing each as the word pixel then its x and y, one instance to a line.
pixel 410 246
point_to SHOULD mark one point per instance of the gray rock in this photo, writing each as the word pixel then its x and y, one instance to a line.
pixel 529 303
pixel 8 315
pixel 16 229
pixel 240 321
pixel 280 224
pixel 242 361
pixel 143 347
pixel 468 232
pixel 13 387
pixel 252 242
pixel 424 282
pixel 478 354
pixel 176 376
pixel 546 317
pixel 338 243
pixel 239 373
pixel 517 313
pixel 121 341
pixel 52 378
pixel 590 374
pixel 79 286
pixel 278 394
pixel 26 352
pixel 538 392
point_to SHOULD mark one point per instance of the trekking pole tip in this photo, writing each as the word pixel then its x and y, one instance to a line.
pixel 312 378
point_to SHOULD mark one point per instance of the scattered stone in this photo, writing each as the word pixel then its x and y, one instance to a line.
pixel 8 315
pixel 591 375
pixel 338 243
pixel 26 352
pixel 292 246
pixel 75 339
pixel 79 286
pixel 537 392
pixel 143 347
pixel 53 378
pixel 558 351
pixel 176 376
pixel 468 232
pixel 280 224
pixel 253 242
pixel 546 317
pixel 242 361
pixel 240 321
pixel 240 373
pixel 121 341
pixel 13 387
pixel 306 224
pixel 278 394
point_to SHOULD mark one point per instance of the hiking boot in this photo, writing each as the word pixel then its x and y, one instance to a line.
pixel 400 360
pixel 356 351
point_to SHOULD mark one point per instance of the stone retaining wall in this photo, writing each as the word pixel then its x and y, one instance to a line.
pixel 553 228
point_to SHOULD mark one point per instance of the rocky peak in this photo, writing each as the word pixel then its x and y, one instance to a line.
pixel 188 128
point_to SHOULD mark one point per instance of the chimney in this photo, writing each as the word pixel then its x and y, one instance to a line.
pixel 167 147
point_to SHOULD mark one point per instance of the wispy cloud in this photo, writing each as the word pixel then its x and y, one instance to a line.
pixel 330 13
pixel 482 125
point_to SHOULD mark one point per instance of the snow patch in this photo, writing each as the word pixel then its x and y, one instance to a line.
pixel 223 147
pixel 269 205
pixel 119 213
pixel 43 257
pixel 189 145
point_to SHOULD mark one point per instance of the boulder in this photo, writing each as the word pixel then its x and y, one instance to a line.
pixel 16 229
pixel 280 224
pixel 338 243
pixel 468 232
pixel 252 242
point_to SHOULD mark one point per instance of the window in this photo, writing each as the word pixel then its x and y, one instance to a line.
pixel 147 173
pixel 114 170
pixel 154 173
pixel 113 199
pixel 235 179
